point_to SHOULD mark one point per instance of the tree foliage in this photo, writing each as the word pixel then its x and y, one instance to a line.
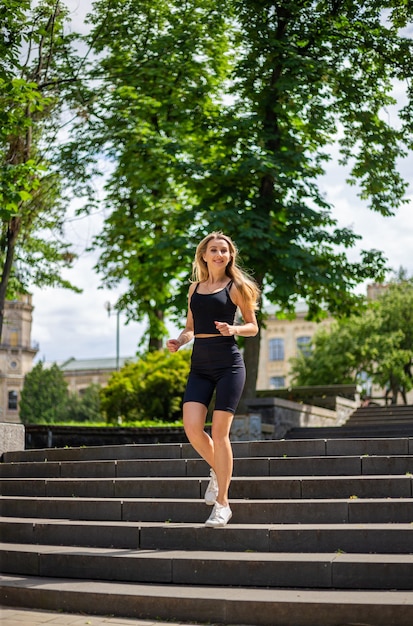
pixel 378 344
pixel 44 396
pixel 222 115
pixel 84 407
pixel 36 64
pixel 151 388
pixel 45 399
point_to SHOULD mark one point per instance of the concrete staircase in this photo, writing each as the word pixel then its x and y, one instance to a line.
pixel 372 421
pixel 322 533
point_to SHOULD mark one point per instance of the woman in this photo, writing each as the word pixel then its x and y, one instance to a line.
pixel 219 288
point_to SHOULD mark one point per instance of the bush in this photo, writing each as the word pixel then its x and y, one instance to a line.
pixel 84 407
pixel 152 388
pixel 44 396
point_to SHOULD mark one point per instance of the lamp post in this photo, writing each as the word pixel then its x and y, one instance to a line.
pixel 109 308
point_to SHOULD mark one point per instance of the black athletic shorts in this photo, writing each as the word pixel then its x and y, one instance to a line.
pixel 216 364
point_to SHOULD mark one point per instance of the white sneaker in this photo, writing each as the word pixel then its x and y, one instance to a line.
pixel 219 517
pixel 212 489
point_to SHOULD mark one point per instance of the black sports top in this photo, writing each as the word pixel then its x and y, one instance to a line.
pixel 210 307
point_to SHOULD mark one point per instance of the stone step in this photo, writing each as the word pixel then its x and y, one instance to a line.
pixel 394 538
pixel 270 448
pixel 307 511
pixel 238 569
pixel 258 488
pixel 391 411
pixel 308 433
pixel 224 605
pixel 258 466
pixel 322 533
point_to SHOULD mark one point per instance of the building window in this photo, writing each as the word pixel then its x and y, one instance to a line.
pixel 303 345
pixel 12 405
pixel 277 382
pixel 14 337
pixel 276 349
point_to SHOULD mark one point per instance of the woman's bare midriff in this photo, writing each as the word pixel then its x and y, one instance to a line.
pixel 203 336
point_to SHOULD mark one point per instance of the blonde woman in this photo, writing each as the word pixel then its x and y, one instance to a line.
pixel 220 287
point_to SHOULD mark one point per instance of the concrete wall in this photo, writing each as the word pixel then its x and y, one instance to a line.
pixel 278 416
pixel 11 437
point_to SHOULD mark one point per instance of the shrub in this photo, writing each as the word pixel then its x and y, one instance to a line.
pixel 151 388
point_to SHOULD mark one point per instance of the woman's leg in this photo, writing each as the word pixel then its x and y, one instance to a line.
pixel 194 416
pixel 216 451
pixel 223 457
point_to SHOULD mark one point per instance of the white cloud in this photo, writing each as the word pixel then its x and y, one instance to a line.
pixel 392 235
pixel 69 324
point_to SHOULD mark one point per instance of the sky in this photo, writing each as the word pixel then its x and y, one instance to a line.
pixel 67 324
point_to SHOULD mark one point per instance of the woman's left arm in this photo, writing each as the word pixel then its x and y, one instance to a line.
pixel 250 326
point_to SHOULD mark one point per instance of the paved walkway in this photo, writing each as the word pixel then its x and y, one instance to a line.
pixel 11 616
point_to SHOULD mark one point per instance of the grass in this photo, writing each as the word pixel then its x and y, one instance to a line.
pixel 102 424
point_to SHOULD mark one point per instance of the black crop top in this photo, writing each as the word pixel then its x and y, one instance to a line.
pixel 210 307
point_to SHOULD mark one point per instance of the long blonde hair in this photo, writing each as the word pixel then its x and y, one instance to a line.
pixel 246 285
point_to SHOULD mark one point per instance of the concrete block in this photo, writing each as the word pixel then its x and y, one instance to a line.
pixel 387 464
pixel 16 530
pixel 249 569
pixel 91 469
pixel 381 511
pixel 360 487
pixel 80 488
pixel 197 467
pixel 29 470
pixel 265 487
pixel 172 510
pixel 241 449
pixel 288 448
pixel 151 467
pixel 101 534
pixel 290 512
pixel 107 565
pixel 246 428
pixel 158 488
pixel 373 571
pixel 16 487
pixel 18 561
pixel 26 456
pixel 251 467
pixel 11 437
pixel 197 537
pixel 349 538
pixel 66 508
pixel 316 466
pixel 361 447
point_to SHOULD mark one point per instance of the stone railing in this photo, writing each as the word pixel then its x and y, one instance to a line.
pixel 11 437
pixel 278 416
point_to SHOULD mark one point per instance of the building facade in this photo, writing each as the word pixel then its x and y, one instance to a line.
pixel 81 373
pixel 282 339
pixel 16 355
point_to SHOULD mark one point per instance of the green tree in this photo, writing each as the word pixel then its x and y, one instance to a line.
pixel 44 396
pixel 35 65
pixel 84 407
pixel 159 66
pixel 238 138
pixel 378 343
pixel 150 389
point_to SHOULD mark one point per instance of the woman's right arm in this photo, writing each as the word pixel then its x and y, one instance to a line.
pixel 187 334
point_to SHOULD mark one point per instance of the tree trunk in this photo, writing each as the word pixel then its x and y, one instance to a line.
pixel 13 229
pixel 251 358
pixel 155 337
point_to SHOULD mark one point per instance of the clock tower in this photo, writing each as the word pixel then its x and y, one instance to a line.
pixel 16 355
